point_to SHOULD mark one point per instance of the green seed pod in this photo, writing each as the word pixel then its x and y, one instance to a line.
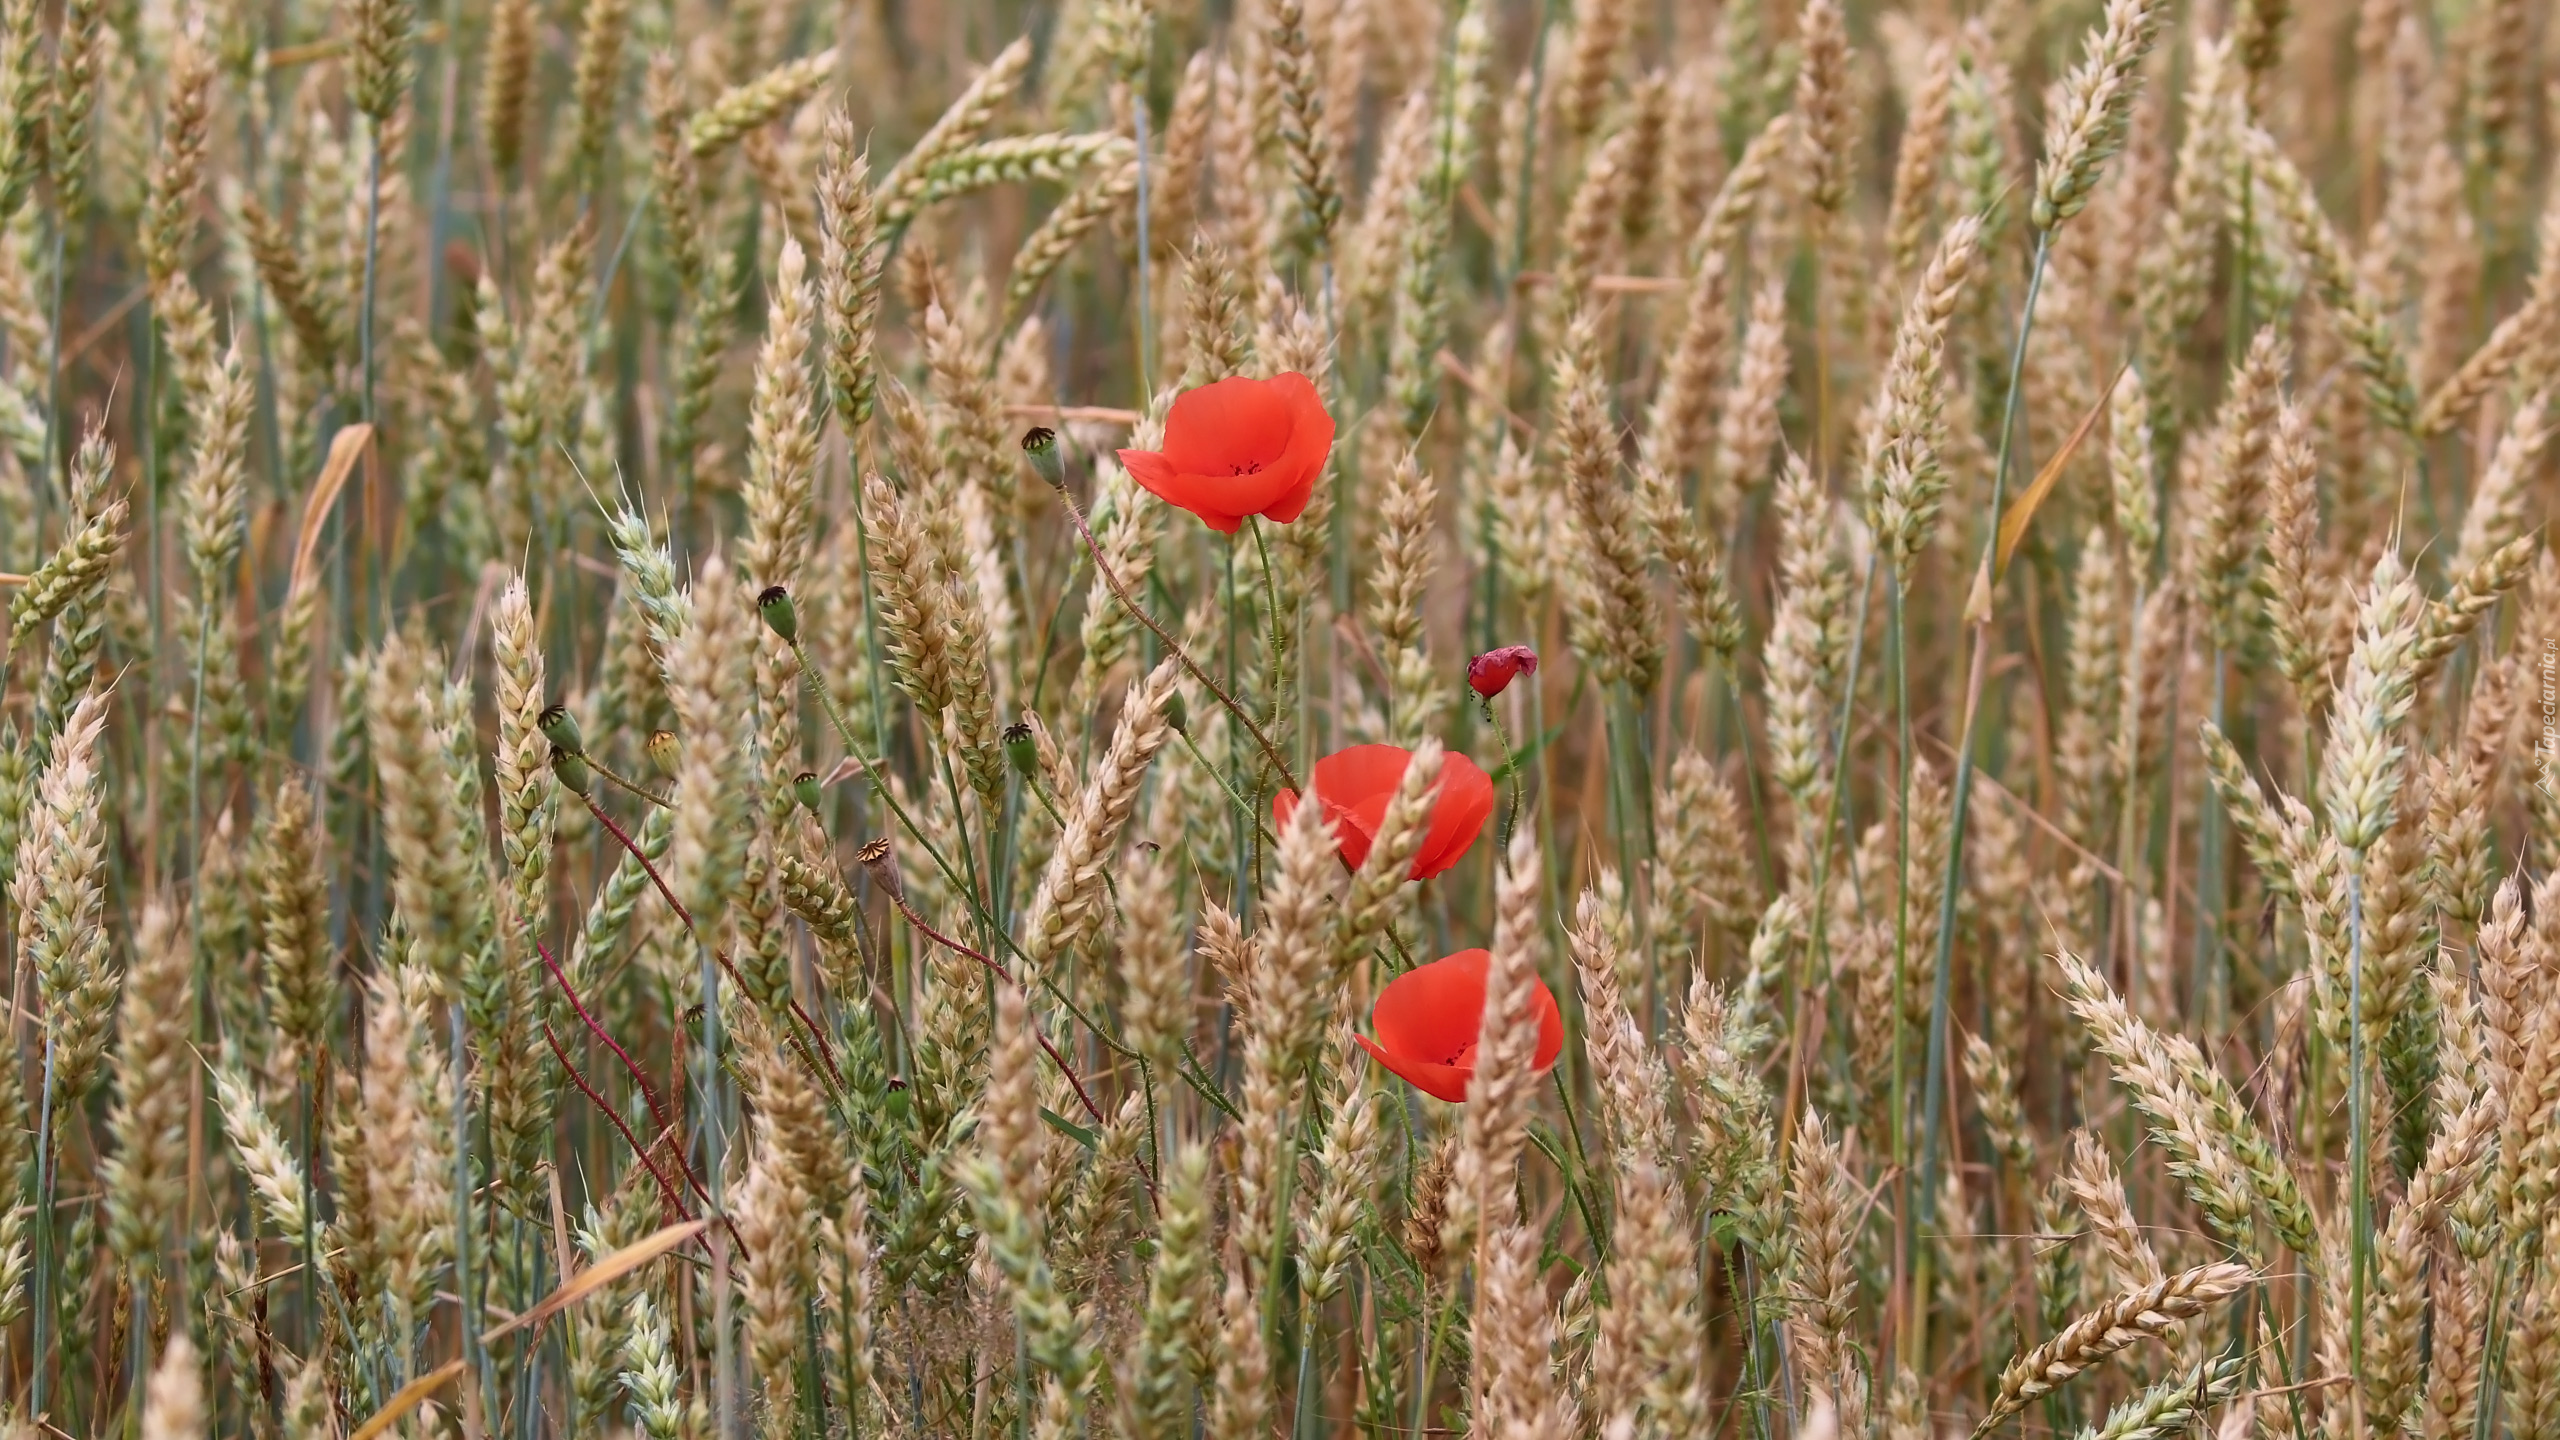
pixel 665 752
pixel 572 769
pixel 805 787
pixel 1041 444
pixel 779 613
pixel 561 728
pixel 1177 713
pixel 1019 748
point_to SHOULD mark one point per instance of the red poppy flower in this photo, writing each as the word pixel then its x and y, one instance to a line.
pixel 1357 784
pixel 1427 1019
pixel 1492 672
pixel 1239 447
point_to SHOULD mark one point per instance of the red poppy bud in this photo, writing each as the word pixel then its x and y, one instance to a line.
pixel 1239 447
pixel 1492 672
pixel 1428 1018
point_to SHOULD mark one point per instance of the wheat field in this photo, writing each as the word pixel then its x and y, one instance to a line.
pixel 1811 720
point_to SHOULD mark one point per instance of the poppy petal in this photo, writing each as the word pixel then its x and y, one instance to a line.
pixel 1199 494
pixel 1148 468
pixel 1432 1012
pixel 1441 1082
pixel 1254 494
pixel 1294 503
pixel 1351 836
pixel 1233 426
pixel 1362 770
pixel 1219 521
pixel 1463 804
pixel 1550 1030
pixel 1311 437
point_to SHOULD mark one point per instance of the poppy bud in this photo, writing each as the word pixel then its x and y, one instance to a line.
pixel 1021 750
pixel 1490 673
pixel 560 728
pixel 571 768
pixel 806 789
pixel 1040 443
pixel 1177 713
pixel 665 752
pixel 780 614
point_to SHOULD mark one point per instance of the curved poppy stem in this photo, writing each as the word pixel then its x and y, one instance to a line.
pixel 1276 640
pixel 632 786
pixel 717 954
pixel 1270 752
pixel 667 1191
pixel 1227 788
pixel 648 1092
pixel 899 899
pixel 665 1186
pixel 1511 810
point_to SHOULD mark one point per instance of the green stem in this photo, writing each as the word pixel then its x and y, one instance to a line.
pixel 39 1350
pixel 53 406
pixel 1433 1329
pixel 2128 884
pixel 1580 1168
pixel 724 1362
pixel 372 261
pixel 2359 1117
pixel 1933 1081
pixel 1224 693
pixel 2207 987
pixel 1277 640
pixel 1226 787
pixel 1902 895
pixel 1835 811
pixel 1511 767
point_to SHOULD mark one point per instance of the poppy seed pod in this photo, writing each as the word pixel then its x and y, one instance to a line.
pixel 665 752
pixel 1021 750
pixel 779 613
pixel 560 728
pixel 875 857
pixel 1040 445
pixel 806 789
pixel 571 768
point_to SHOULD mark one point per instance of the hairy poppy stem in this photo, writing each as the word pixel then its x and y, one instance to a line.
pixel 1227 788
pixel 648 1092
pixel 815 680
pixel 898 898
pixel 632 786
pixel 1511 767
pixel 666 1187
pixel 726 965
pixel 1173 647
pixel 628 844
